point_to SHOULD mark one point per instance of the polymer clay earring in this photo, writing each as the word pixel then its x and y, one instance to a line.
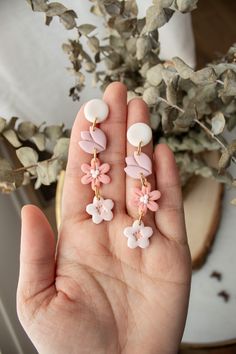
pixel 139 166
pixel 93 142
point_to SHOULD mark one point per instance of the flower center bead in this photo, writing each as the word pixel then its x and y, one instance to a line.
pixel 144 199
pixel 94 173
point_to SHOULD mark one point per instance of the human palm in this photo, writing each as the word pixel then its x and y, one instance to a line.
pixel 97 295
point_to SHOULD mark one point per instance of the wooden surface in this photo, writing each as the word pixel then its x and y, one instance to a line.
pixel 214 28
pixel 214 31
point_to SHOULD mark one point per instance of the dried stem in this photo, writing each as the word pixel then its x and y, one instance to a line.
pixel 204 127
pixel 25 168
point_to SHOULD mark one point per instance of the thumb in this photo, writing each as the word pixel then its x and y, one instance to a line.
pixel 37 254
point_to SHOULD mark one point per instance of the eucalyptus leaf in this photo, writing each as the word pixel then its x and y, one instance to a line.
pixel 61 149
pixel 93 43
pixel 203 76
pixel 224 160
pixel 4 164
pixel 26 130
pixel 186 5
pixel 68 19
pixel 156 17
pixel 53 132
pixel 39 140
pixel 151 95
pixel 55 9
pixel 154 75
pixel 3 124
pixel 27 157
pixel 11 136
pixel 233 201
pixel 230 83
pixel 218 123
pixel 38 5
pixel 47 172
pixel 184 70
pixel 143 46
pixel 163 3
pixel 86 29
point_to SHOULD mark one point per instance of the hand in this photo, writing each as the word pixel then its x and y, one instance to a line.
pixel 96 295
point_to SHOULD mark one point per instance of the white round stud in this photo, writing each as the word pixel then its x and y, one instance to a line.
pixel 139 132
pixel 96 108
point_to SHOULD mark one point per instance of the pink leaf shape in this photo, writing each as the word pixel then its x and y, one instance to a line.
pixel 93 139
pixel 137 165
pixel 85 135
pixel 86 179
pixel 152 205
pixel 154 195
pixel 144 161
pixel 99 137
pixel 135 171
pixel 85 168
pixel 130 160
pixel 104 168
pixel 104 179
pixel 89 146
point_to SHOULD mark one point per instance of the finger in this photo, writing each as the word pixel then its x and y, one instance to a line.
pixel 170 215
pixel 137 112
pixel 76 195
pixel 115 129
pixel 37 254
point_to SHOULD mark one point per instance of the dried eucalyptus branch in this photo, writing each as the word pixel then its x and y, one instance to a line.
pixel 173 91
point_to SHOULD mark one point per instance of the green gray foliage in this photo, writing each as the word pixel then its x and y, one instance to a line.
pixel 189 110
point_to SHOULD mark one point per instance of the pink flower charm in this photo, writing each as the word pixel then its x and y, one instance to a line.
pixel 100 210
pixel 95 173
pixel 138 235
pixel 145 198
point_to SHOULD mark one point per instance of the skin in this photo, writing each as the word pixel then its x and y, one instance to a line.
pixel 90 293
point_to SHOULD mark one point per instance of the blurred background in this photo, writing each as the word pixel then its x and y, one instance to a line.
pixel 34 85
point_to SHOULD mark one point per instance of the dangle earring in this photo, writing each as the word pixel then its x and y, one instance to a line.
pixel 139 166
pixel 93 142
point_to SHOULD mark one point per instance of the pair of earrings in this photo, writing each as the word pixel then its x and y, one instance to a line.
pixel 139 167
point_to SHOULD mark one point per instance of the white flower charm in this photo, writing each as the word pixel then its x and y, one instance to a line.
pixel 100 209
pixel 138 235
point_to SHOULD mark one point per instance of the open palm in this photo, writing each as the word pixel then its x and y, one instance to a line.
pixel 92 294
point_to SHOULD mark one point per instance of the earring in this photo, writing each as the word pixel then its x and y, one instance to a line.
pixel 93 142
pixel 139 166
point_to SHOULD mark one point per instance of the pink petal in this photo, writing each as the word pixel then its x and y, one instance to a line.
pixel 104 179
pixel 143 161
pixel 152 205
pixel 86 179
pixel 104 168
pixel 85 168
pixel 98 137
pixel 138 192
pixel 85 135
pixel 154 195
pixel 135 171
pixel 130 160
pixel 89 146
